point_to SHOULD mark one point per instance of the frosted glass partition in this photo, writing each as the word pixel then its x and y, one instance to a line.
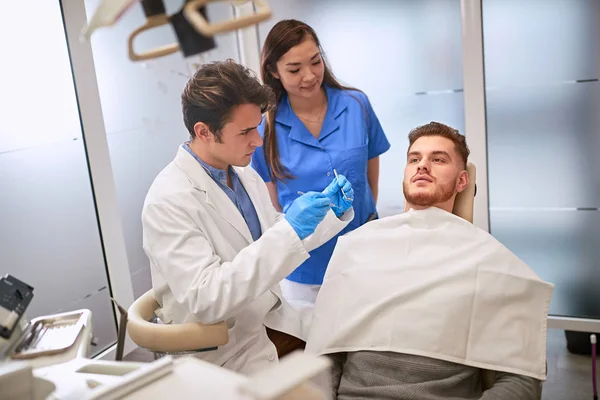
pixel 542 93
pixel 142 111
pixel 404 54
pixel 529 42
pixel 49 236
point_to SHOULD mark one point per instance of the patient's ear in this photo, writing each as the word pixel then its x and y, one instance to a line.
pixel 463 181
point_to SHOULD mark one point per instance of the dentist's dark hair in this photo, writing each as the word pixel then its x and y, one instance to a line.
pixel 215 90
pixel 282 37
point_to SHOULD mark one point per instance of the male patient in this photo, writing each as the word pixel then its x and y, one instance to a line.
pixel 424 304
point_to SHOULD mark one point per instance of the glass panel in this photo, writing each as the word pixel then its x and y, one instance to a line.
pixel 49 234
pixel 543 144
pixel 543 140
pixel 538 41
pixel 562 246
pixel 141 106
pixel 405 55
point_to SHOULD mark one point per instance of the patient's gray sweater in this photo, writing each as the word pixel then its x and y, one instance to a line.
pixel 385 375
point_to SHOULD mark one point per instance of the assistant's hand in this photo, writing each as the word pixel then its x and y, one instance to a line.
pixel 336 197
pixel 306 212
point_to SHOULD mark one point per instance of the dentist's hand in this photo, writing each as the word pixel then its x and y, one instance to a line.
pixel 336 197
pixel 306 212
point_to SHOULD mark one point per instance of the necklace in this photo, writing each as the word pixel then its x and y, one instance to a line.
pixel 319 117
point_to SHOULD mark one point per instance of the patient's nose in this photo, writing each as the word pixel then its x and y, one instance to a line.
pixel 423 165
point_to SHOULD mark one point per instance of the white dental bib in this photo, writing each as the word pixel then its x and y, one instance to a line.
pixel 430 283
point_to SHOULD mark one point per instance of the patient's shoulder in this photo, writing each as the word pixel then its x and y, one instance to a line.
pixel 390 222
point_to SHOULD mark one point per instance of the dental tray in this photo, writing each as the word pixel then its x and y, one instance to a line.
pixel 50 334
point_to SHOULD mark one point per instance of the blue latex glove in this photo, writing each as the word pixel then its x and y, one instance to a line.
pixel 336 197
pixel 306 212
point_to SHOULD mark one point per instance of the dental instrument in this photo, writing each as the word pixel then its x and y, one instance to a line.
pixel 343 193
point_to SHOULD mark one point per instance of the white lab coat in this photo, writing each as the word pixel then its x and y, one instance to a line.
pixel 206 268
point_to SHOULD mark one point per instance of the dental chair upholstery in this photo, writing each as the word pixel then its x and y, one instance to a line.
pixel 463 204
pixel 170 338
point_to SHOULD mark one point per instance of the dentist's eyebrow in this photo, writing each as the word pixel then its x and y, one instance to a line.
pixel 248 129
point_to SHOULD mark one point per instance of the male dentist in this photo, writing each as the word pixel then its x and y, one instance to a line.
pixel 217 247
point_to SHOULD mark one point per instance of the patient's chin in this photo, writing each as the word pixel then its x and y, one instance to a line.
pixel 421 199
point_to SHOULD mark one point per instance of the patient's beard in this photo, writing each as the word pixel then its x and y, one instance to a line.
pixel 442 194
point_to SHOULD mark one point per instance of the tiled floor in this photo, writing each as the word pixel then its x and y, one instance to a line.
pixel 569 375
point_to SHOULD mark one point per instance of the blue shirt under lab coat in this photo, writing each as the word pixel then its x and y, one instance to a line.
pixel 350 136
pixel 238 194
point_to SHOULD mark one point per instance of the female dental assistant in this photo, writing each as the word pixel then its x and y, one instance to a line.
pixel 217 247
pixel 318 126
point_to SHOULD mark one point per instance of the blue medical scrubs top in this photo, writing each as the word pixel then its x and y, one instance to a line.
pixel 350 136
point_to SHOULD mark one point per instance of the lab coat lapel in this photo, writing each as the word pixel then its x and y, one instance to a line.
pixel 215 196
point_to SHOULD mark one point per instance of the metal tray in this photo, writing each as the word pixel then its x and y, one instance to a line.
pixel 50 334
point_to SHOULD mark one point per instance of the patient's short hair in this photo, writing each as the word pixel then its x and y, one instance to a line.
pixel 438 129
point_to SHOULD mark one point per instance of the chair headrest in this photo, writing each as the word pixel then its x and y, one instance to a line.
pixel 170 337
pixel 463 204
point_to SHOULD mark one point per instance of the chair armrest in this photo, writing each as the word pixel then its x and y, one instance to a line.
pixel 170 337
